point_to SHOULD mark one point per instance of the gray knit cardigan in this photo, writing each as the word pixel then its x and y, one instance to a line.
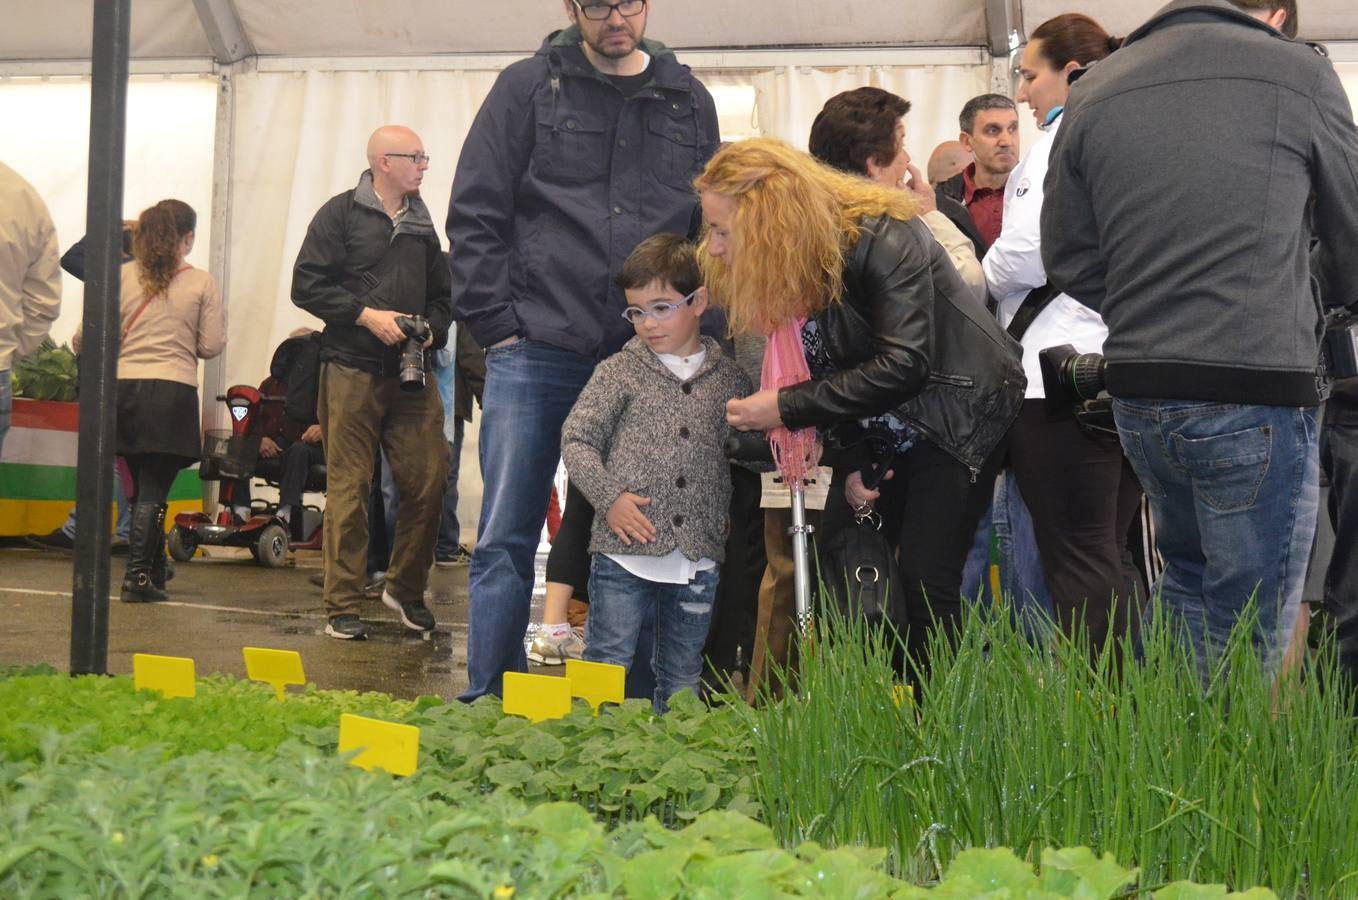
pixel 638 428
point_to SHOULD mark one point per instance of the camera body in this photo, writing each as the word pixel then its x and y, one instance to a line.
pixel 416 329
pixel 1341 342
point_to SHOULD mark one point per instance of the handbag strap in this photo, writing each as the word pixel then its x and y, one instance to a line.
pixel 132 320
pixel 1036 300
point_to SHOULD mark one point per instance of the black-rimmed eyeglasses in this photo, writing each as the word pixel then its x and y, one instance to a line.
pixel 660 310
pixel 598 12
pixel 418 159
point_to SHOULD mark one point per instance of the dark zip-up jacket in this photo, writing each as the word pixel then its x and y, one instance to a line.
pixel 909 339
pixel 559 179
pixel 353 257
pixel 948 195
pixel 1176 207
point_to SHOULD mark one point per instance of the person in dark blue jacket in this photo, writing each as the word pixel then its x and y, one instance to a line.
pixel 577 155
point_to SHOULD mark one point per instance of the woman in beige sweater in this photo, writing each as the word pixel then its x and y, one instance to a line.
pixel 172 316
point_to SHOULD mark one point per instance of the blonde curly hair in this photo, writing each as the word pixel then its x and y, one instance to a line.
pixel 795 221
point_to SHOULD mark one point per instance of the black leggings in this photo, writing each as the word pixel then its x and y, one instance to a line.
pixel 152 475
pixel 568 561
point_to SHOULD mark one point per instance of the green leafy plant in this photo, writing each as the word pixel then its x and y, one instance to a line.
pixel 1033 747
pixel 48 373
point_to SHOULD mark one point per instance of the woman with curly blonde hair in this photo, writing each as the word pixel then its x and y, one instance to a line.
pixel 172 316
pixel 901 357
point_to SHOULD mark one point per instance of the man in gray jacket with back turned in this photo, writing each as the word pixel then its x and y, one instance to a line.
pixel 1177 207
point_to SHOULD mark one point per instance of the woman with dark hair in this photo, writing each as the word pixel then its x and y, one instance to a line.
pixel 172 316
pixel 1081 492
pixel 840 272
pixel 863 132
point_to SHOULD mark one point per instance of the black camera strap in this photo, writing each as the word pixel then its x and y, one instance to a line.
pixel 1038 299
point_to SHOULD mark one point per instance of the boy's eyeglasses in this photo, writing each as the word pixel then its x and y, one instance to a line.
pixel 598 12
pixel 660 310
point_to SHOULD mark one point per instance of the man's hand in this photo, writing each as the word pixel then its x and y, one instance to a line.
pixel 382 323
pixel 626 520
pixel 921 190
pixel 757 412
pixel 268 449
pixel 506 342
pixel 312 435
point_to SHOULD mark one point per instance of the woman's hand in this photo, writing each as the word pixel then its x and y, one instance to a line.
pixel 757 412
pixel 859 497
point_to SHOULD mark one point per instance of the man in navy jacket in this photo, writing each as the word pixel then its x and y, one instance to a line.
pixel 577 155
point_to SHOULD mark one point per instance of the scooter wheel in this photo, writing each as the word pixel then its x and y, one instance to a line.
pixel 271 547
pixel 182 544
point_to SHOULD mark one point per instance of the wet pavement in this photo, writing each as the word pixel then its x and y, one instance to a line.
pixel 222 603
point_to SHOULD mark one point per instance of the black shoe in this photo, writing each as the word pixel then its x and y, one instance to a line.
pixel 459 557
pixel 375 585
pixel 415 616
pixel 162 570
pixel 137 588
pixel 346 628
pixel 56 540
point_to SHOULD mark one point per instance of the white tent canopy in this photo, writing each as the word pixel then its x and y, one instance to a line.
pixel 230 30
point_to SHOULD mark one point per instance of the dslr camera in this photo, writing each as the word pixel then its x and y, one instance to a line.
pixel 1341 342
pixel 416 330
pixel 1073 383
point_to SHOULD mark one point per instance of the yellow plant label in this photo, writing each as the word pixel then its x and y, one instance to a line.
pixel 597 683
pixel 171 675
pixel 536 697
pixel 276 667
pixel 901 694
pixel 385 745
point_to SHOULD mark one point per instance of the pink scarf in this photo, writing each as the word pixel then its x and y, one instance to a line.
pixel 795 453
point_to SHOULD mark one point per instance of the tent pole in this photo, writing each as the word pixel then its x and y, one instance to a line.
pixel 99 361
pixel 213 414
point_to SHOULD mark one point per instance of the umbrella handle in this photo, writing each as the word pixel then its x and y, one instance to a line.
pixel 801 564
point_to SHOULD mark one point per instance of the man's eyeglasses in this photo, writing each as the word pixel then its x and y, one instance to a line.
pixel 660 310
pixel 418 159
pixel 597 12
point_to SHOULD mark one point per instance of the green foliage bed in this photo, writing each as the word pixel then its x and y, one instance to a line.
pixel 107 792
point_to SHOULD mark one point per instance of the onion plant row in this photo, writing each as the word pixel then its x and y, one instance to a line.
pixel 1231 778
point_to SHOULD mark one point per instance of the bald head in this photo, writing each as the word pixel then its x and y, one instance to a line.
pixel 397 160
pixel 392 139
pixel 948 158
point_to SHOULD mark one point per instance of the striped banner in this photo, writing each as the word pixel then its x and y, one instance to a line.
pixel 38 470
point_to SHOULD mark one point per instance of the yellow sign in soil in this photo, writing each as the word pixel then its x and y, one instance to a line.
pixel 596 683
pixel 171 675
pixel 385 745
pixel 536 697
pixel 276 667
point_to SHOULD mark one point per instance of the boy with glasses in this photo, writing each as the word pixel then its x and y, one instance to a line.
pixel 645 443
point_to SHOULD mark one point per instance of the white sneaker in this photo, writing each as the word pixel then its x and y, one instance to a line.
pixel 548 651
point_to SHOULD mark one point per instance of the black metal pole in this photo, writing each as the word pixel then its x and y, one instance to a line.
pixel 99 348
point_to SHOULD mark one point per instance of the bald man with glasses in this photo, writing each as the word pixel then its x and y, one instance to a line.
pixel 371 259
pixel 577 155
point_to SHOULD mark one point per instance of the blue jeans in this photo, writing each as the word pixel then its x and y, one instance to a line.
pixel 450 530
pixel 530 388
pixel 124 510
pixel 620 603
pixel 1022 583
pixel 1234 490
pixel 6 402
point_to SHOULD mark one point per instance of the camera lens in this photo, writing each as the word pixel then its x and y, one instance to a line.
pixel 1084 375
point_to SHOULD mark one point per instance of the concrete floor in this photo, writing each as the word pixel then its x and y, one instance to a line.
pixel 222 603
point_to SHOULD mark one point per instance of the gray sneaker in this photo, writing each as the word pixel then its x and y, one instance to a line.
pixel 415 616
pixel 346 628
pixel 554 652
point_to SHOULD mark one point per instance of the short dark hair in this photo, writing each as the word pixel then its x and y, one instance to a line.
pixel 670 258
pixel 967 120
pixel 857 126
pixel 1269 6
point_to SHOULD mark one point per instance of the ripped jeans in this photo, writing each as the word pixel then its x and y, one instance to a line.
pixel 618 606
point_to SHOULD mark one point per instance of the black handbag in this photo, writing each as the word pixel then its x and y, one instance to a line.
pixel 858 569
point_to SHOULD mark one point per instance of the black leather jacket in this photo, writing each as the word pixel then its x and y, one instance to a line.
pixel 908 339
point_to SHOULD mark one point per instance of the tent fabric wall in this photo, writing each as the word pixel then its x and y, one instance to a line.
pixel 170 125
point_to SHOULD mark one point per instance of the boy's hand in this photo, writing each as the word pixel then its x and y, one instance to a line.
pixel 626 520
